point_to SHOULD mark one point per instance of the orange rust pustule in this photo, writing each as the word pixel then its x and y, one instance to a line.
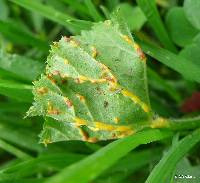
pixel 52 110
pixel 42 90
pixel 92 139
pixel 50 77
pixel 67 39
pixel 68 102
pixel 84 134
pixel 94 52
pixel 140 53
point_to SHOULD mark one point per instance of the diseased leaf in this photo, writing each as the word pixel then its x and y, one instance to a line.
pixel 94 88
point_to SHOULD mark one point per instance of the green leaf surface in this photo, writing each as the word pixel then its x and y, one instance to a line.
pixel 13 150
pixel 184 168
pixel 192 52
pixel 180 29
pixel 90 79
pixel 168 163
pixel 93 11
pixel 18 36
pixel 105 157
pixel 192 12
pixel 133 16
pixel 18 91
pixel 20 136
pixel 32 166
pixel 78 6
pixel 4 10
pixel 128 165
pixel 72 24
pixel 20 66
pixel 157 82
pixel 176 62
pixel 150 10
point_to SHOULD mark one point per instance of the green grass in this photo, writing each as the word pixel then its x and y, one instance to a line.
pixel 165 142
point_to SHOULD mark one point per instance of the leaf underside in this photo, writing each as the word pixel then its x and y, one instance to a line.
pixel 94 87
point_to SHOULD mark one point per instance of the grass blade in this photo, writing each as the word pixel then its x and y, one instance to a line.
pixel 20 67
pixel 18 91
pixel 169 161
pixel 93 11
pixel 105 157
pixel 17 35
pixel 156 80
pixel 13 150
pixel 185 67
pixel 77 6
pixel 23 137
pixel 129 164
pixel 72 24
pixel 31 166
pixel 152 14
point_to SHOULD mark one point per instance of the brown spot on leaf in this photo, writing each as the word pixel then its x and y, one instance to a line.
pixel 42 90
pixel 51 109
pixel 105 104
pixel 68 102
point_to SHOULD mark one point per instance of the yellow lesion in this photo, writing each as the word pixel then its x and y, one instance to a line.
pixel 82 79
pixel 116 120
pixel 46 142
pixel 108 127
pixel 135 99
pixel 81 98
pixel 74 43
pixel 42 90
pixel 107 75
pixel 159 123
pixel 80 122
pixel 94 52
pixel 66 62
pixel 51 109
pixel 135 46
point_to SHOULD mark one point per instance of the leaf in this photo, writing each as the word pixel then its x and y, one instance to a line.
pixel 150 10
pixel 128 165
pixel 89 81
pixel 78 6
pixel 172 157
pixel 72 24
pixel 159 83
pixel 105 157
pixel 175 62
pixel 18 36
pixel 13 150
pixel 192 52
pixel 31 166
pixel 18 91
pixel 20 136
pixel 180 29
pixel 192 12
pixel 20 66
pixel 134 16
pixel 93 11
pixel 185 168
pixel 4 10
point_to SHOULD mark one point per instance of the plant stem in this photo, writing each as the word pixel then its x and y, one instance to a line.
pixel 184 124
